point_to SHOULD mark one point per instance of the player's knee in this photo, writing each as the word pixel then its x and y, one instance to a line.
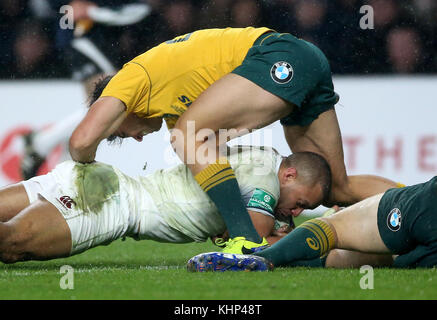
pixel 13 243
pixel 177 142
pixel 184 142
pixel 9 258
pixel 177 137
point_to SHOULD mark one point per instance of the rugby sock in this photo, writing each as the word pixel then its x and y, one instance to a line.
pixel 312 263
pixel 310 240
pixel 219 182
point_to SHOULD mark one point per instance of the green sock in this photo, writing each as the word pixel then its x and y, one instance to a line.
pixel 312 263
pixel 312 239
pixel 219 182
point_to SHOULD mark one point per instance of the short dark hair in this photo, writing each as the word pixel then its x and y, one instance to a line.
pixel 312 169
pixel 99 86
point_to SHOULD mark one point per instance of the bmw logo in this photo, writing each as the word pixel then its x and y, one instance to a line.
pixel 281 72
pixel 394 220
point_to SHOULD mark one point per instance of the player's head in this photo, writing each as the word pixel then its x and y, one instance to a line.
pixel 99 86
pixel 305 181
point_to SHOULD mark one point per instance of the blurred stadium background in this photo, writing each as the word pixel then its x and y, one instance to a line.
pixel 403 39
pixel 386 76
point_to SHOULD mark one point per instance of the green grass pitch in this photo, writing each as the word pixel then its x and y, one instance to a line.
pixel 148 270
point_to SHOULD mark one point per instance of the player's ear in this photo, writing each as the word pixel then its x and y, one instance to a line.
pixel 290 174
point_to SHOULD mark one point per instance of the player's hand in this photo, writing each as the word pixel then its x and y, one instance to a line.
pixel 282 231
pixel 331 211
pixel 224 237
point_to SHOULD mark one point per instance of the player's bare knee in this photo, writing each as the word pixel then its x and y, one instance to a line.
pixel 184 142
pixel 7 250
pixel 13 242
pixel 177 140
pixel 9 258
pixel 5 231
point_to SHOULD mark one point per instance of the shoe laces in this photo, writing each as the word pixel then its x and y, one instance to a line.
pixel 220 242
pixel 233 242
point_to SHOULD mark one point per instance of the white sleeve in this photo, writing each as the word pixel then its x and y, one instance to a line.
pixel 126 15
pixel 261 201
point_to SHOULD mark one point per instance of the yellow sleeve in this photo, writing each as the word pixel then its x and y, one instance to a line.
pixel 131 86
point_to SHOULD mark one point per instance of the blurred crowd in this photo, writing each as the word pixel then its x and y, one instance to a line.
pixel 402 39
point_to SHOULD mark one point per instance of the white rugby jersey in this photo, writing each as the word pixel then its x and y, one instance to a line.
pixel 179 201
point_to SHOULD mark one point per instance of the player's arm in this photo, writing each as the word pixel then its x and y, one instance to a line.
pixel 273 238
pixel 265 226
pixel 102 119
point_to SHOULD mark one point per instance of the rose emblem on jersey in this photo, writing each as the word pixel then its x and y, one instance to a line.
pixel 394 219
pixel 281 72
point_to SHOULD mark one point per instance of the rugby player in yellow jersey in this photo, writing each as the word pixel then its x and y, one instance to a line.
pixel 233 78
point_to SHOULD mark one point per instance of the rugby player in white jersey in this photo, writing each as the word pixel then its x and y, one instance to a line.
pixel 77 206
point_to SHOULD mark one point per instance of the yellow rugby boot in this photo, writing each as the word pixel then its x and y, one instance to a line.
pixel 239 245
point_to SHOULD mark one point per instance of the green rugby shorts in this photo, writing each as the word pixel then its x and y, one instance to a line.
pixel 293 69
pixel 407 223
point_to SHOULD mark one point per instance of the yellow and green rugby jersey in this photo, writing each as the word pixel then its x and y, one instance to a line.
pixel 165 80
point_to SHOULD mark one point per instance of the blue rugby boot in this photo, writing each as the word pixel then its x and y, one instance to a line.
pixel 219 261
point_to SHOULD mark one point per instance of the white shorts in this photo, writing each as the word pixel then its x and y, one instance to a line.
pixel 92 202
pixel 102 205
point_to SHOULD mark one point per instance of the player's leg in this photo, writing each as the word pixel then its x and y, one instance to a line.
pixel 396 221
pixel 408 224
pixel 39 232
pixel 39 143
pixel 232 102
pixel 354 228
pixel 13 199
pixel 339 258
pixel 323 136
pixel 402 221
pixel 84 200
